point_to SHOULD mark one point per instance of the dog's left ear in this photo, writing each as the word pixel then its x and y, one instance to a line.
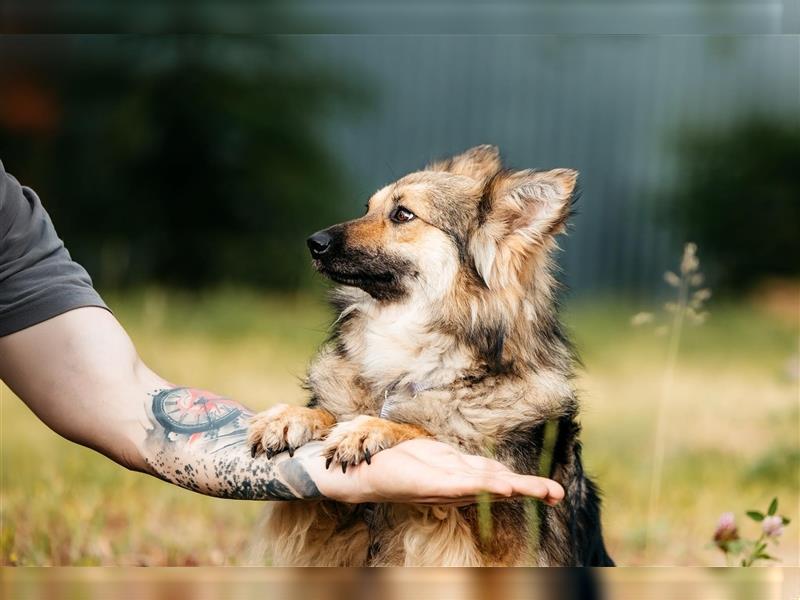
pixel 519 213
pixel 480 163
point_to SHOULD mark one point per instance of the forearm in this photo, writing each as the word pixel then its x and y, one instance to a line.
pixel 198 440
pixel 81 375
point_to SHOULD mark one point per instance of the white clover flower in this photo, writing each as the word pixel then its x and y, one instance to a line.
pixel 772 526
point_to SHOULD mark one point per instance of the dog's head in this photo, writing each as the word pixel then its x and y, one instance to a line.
pixel 465 219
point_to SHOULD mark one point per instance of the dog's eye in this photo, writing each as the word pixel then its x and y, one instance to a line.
pixel 402 215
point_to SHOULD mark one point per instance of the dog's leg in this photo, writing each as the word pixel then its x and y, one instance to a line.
pixel 358 440
pixel 571 532
pixel 285 427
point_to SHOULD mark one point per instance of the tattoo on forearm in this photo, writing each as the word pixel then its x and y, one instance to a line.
pixel 199 441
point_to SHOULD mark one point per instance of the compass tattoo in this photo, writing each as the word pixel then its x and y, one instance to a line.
pixel 198 441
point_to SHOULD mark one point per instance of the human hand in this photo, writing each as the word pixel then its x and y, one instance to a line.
pixel 428 472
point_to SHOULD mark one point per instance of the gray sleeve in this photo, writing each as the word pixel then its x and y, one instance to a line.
pixel 38 278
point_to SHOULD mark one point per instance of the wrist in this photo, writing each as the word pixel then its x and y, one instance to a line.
pixel 353 487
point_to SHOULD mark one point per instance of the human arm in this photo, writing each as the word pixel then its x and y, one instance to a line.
pixel 80 373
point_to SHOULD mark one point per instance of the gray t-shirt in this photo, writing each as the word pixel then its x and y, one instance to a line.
pixel 38 278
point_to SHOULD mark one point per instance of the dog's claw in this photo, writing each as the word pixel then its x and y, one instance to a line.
pixel 291 450
pixel 328 462
pixel 253 451
pixel 270 454
pixel 367 456
pixel 344 467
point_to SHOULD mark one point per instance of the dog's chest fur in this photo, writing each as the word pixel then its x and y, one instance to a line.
pixel 394 347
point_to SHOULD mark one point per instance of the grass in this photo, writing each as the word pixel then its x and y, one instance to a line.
pixel 731 436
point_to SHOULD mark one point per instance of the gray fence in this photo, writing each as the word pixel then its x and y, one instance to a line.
pixel 610 106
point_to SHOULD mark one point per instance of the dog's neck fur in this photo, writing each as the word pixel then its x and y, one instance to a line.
pixel 409 345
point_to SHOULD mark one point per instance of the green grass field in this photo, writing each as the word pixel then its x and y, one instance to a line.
pixel 733 429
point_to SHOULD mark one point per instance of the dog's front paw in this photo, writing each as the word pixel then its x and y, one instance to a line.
pixel 285 427
pixel 352 442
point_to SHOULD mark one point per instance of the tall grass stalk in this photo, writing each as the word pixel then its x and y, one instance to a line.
pixel 659 443
pixel 533 507
pixel 686 307
pixel 485 517
pixel 533 524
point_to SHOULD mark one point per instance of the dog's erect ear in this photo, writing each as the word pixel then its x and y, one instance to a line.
pixel 519 212
pixel 480 163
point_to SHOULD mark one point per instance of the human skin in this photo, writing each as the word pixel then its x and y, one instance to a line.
pixel 80 374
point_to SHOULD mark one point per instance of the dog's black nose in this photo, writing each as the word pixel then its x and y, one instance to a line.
pixel 319 243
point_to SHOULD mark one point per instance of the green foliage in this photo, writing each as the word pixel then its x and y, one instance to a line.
pixel 738 197
pixel 182 160
pixel 773 507
pixel 782 462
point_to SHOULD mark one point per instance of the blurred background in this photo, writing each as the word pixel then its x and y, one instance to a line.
pixel 184 172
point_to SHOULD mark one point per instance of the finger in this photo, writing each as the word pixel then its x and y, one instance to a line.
pixel 487 471
pixel 524 485
pixel 506 484
pixel 470 485
pixel 556 492
pixel 542 488
pixel 536 487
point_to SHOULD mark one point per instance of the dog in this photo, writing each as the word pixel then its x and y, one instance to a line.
pixel 447 328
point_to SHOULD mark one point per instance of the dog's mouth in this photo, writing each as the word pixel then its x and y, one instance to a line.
pixel 380 284
pixel 380 274
pixel 360 279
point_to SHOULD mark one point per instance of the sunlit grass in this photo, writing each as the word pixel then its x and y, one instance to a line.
pixel 732 434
